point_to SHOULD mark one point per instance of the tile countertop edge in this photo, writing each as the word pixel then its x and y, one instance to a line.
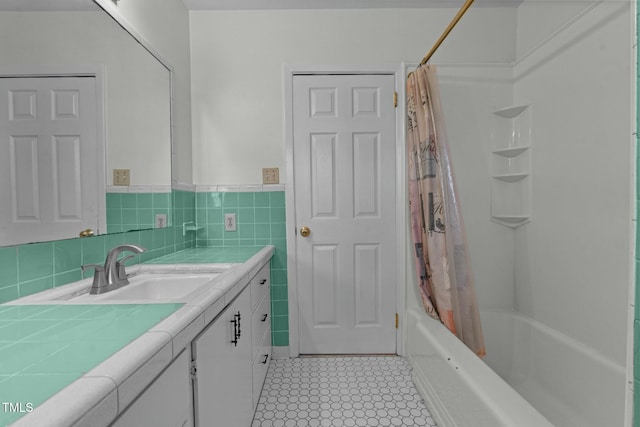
pixel 93 397
pixel 102 394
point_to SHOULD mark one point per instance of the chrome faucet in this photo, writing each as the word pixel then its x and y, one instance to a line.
pixel 113 274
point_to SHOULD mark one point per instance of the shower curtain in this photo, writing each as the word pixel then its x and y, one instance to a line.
pixel 439 242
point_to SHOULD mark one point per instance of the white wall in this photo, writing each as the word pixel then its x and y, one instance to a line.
pixel 577 243
pixel 237 98
pixel 137 87
pixel 165 29
pixel 538 22
pixel 238 58
pixel 572 260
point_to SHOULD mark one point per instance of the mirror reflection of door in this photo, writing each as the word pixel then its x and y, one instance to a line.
pixel 133 89
pixel 48 158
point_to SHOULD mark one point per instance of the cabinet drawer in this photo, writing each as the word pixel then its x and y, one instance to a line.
pixel 260 286
pixel 260 367
pixel 260 324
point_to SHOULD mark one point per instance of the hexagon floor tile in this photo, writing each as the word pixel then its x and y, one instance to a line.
pixel 340 391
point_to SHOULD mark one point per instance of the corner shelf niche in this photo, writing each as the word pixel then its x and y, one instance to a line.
pixel 511 166
pixel 511 177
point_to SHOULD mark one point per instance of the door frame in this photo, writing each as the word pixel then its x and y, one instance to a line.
pixel 398 71
pixel 97 71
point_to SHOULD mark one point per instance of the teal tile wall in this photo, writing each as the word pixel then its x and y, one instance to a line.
pixel 636 323
pixel 135 211
pixel 184 208
pixel 27 269
pixel 31 268
pixel 261 220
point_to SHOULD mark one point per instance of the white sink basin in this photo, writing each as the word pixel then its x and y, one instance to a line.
pixel 171 283
pixel 151 286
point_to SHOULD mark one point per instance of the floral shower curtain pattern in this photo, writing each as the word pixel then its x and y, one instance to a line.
pixel 441 258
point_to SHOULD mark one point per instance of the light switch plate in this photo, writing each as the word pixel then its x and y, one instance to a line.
pixel 270 175
pixel 121 177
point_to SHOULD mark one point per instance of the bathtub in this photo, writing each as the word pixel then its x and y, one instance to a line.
pixel 532 376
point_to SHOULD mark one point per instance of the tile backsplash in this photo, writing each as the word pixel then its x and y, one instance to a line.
pixel 31 268
pixel 135 211
pixel 260 217
pixel 260 220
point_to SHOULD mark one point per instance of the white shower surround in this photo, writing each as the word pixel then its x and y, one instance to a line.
pixel 556 322
pixel 541 379
pixel 571 383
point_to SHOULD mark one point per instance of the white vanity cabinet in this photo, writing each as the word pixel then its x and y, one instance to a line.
pixel 231 356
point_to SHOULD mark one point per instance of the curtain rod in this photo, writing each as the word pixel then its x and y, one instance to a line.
pixel 446 32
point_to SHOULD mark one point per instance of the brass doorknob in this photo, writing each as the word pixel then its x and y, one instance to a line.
pixel 86 233
pixel 305 231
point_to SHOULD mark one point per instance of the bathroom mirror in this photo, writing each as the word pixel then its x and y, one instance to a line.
pixel 45 43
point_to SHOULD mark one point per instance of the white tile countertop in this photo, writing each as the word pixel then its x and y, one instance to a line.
pixel 105 391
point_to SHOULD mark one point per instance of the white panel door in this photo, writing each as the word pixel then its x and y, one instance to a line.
pixel 48 158
pixel 345 168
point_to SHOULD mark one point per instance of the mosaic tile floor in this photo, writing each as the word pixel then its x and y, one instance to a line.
pixel 340 391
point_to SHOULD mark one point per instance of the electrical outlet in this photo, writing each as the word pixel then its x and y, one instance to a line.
pixel 161 220
pixel 121 177
pixel 270 175
pixel 230 222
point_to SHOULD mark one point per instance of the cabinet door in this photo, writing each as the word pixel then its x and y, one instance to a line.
pixel 223 386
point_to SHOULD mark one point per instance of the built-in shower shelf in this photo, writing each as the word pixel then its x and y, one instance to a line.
pixel 511 177
pixel 511 151
pixel 513 221
pixel 511 112
pixel 511 166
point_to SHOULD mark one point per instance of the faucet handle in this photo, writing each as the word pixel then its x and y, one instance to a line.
pixel 120 267
pixel 96 267
pixel 99 278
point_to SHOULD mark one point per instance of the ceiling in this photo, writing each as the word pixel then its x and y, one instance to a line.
pixel 334 4
pixel 47 5
pixel 80 5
